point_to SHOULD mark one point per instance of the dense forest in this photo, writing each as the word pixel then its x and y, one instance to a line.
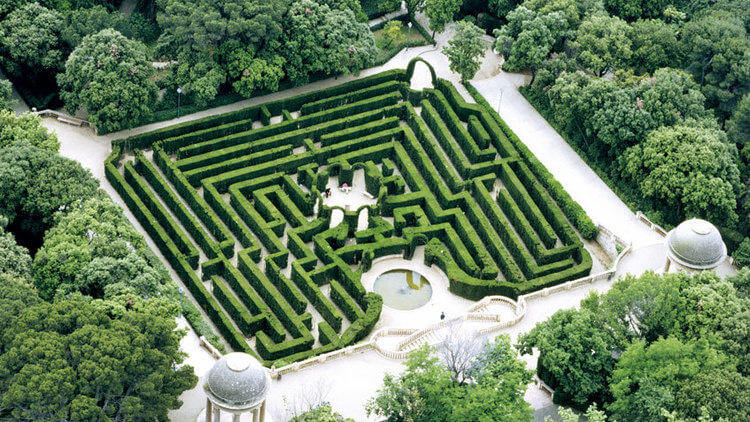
pixel 125 66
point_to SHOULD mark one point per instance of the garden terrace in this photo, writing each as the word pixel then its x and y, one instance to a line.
pixel 234 204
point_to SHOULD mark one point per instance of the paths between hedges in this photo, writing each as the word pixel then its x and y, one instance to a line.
pixel 339 376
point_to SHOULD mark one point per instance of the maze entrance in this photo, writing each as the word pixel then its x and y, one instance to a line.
pixel 235 204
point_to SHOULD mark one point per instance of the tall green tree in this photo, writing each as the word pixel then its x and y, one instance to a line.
pixel 738 126
pixel 34 184
pixel 602 44
pixel 465 50
pixel 576 356
pixel 655 45
pixel 690 171
pixel 528 38
pixel 440 13
pixel 6 91
pixel 30 38
pixel 631 10
pixel 26 129
pixel 320 40
pixel 413 6
pixel 111 76
pixel 718 56
pixel 92 249
pixel 422 393
pixel 500 381
pixel 323 413
pixel 69 360
pixel 195 31
pixel 647 377
pixel 15 260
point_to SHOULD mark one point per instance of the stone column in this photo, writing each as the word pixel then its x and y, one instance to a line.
pixel 262 411
pixel 256 415
pixel 217 415
pixel 666 269
pixel 209 410
pixel 236 417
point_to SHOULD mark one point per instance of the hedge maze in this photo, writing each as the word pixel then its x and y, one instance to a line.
pixel 234 204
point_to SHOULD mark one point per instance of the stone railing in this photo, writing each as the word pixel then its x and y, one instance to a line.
pixel 473 313
pixel 655 227
pixel 65 118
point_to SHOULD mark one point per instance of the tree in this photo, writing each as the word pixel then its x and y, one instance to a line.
pixel 111 76
pixel 6 91
pixel 323 413
pixel 528 38
pixel 440 13
pixel 459 353
pixel 671 97
pixel 500 8
pixel 15 296
pixel 413 6
pixel 465 50
pixel 647 307
pixel 723 393
pixel 392 33
pixel 26 129
pixel 69 360
pixel 689 171
pixel 92 249
pixel 576 356
pixel 195 30
pixel 573 10
pixel 423 392
pixel 738 126
pixel 15 260
pixel 742 254
pixel 631 10
pixel 34 184
pixel 324 41
pixel 655 45
pixel 500 381
pixel 248 73
pixel 647 377
pixel 30 37
pixel 718 56
pixel 602 44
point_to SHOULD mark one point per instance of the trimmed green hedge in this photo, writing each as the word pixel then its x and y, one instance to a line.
pixel 452 177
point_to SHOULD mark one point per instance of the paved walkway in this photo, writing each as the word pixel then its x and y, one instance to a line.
pixel 581 182
pixel 387 17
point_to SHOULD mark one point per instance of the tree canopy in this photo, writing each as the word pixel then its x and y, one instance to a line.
pixel 692 171
pixel 321 40
pixel 93 250
pixel 465 50
pixel 26 129
pixel 111 76
pixel 428 391
pixel 69 360
pixel 651 344
pixel 35 183
pixel 30 37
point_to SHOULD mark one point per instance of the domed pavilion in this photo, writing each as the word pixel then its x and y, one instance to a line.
pixel 237 384
pixel 695 245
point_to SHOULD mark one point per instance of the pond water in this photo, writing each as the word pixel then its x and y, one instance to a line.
pixel 403 289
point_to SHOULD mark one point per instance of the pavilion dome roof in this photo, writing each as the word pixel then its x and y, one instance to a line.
pixel 696 244
pixel 237 381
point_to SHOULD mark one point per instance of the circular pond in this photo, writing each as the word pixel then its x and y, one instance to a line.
pixel 403 289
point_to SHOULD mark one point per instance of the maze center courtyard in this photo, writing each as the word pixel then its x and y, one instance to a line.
pixel 278 218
